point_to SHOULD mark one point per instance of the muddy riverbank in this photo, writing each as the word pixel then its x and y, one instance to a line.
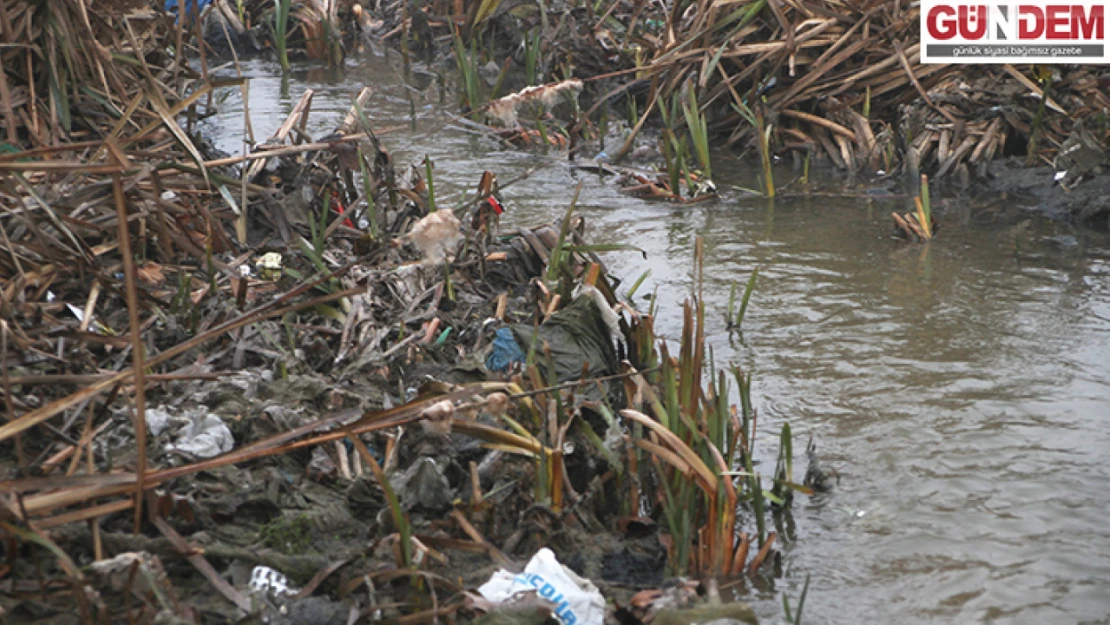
pixel 310 319
pixel 1033 188
pixel 884 353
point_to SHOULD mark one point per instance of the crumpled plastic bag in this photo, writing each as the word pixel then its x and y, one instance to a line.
pixel 577 601
pixel 205 436
pixel 435 235
pixel 576 334
pixel 504 351
pixel 157 420
pixel 423 486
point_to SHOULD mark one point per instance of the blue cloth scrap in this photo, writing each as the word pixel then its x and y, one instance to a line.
pixel 505 351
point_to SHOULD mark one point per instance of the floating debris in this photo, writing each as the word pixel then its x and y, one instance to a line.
pixel 505 110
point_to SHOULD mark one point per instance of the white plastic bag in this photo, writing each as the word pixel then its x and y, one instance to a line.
pixel 577 601
pixel 205 436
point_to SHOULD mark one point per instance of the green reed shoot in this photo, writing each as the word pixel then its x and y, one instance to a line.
pixel 486 9
pixel 796 617
pixel 333 41
pixel 531 55
pixel 763 138
pixel 431 184
pixel 636 285
pixel 765 157
pixel 281 26
pixel 501 76
pixel 755 489
pixel 468 68
pixel 584 426
pixel 367 180
pixel 746 297
pixel 674 151
pixel 678 146
pixel 448 283
pixel 745 111
pixel 784 467
pixel 559 265
pixel 314 249
pixel 699 130
pixel 702 451
pixel 670 161
pixel 738 320
pixel 400 520
pixel 683 152
pixel 542 128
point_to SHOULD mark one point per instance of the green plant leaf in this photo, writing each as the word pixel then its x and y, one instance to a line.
pixel 746 297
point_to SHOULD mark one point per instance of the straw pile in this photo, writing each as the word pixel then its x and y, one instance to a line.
pixel 845 79
pixel 90 95
pixel 71 68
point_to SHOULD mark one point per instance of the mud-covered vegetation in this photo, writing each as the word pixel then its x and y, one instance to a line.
pixel 294 384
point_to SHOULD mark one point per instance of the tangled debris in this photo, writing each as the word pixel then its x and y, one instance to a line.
pixel 257 384
pixel 333 336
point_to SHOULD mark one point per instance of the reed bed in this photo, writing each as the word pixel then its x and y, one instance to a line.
pixel 838 80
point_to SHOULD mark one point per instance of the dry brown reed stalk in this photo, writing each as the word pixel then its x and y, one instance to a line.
pixel 137 346
pixel 197 559
pixel 759 558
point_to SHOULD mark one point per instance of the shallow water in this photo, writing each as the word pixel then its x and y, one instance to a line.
pixel 960 388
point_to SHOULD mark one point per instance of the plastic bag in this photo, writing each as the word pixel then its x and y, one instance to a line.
pixel 577 601
pixel 206 436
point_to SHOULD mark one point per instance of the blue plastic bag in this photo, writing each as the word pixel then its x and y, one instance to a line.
pixel 505 351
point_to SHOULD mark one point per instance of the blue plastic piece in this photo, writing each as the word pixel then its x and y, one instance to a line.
pixel 192 7
pixel 505 351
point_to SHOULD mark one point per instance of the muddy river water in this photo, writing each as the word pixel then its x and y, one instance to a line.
pixel 961 388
